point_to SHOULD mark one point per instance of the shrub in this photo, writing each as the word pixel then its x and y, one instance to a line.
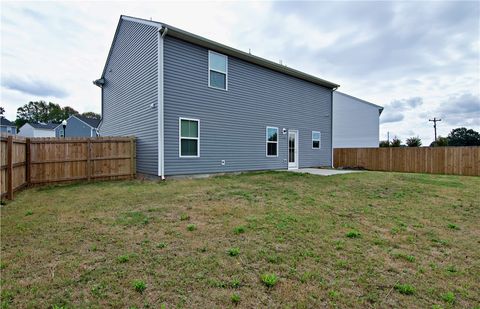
pixel 353 234
pixel 235 298
pixel 239 230
pixel 139 285
pixel 405 289
pixel 414 141
pixel 191 227
pixel 233 251
pixel 449 297
pixel 384 144
pixel 396 142
pixel 269 279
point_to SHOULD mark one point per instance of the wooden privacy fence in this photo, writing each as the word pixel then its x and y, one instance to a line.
pixel 432 160
pixel 31 161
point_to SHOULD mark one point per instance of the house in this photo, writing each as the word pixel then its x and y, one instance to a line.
pixel 78 126
pixel 197 106
pixel 38 129
pixel 7 127
pixel 355 122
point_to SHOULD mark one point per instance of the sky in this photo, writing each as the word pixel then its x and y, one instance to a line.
pixel 418 60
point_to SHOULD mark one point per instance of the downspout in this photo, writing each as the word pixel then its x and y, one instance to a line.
pixel 161 135
pixel 331 126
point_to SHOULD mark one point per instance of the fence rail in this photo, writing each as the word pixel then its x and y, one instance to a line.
pixel 432 160
pixel 32 161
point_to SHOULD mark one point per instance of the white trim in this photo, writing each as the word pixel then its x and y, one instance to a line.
pixel 191 138
pixel 226 70
pixel 267 141
pixel 319 140
pixel 142 21
pixel 160 107
pixel 297 150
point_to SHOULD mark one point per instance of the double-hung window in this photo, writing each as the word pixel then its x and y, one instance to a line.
pixel 316 137
pixel 189 138
pixel 272 141
pixel 217 70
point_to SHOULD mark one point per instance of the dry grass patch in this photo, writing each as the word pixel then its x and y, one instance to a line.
pixel 257 240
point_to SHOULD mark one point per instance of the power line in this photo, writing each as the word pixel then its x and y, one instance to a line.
pixel 435 120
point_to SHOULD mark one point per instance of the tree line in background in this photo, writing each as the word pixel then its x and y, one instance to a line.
pixel 41 111
pixel 457 137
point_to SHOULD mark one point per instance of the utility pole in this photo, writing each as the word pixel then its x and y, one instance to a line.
pixel 435 120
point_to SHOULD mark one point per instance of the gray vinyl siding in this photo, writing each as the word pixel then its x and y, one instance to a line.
pixel 233 122
pixel 131 82
pixel 74 128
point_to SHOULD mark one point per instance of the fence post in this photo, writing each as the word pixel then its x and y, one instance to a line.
pixel 132 159
pixel 28 164
pixel 10 167
pixel 88 159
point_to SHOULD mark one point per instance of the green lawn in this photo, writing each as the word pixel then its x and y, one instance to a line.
pixel 273 239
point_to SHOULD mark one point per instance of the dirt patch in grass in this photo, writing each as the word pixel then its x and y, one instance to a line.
pixel 355 240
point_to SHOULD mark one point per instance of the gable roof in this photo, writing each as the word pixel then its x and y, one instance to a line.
pixel 93 122
pixel 380 108
pixel 44 126
pixel 224 49
pixel 5 122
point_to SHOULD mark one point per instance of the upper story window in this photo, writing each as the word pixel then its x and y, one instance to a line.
pixel 217 70
pixel 189 136
pixel 316 137
pixel 272 142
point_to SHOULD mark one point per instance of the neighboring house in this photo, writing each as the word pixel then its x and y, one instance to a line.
pixel 197 106
pixel 7 127
pixel 79 126
pixel 38 129
pixel 355 122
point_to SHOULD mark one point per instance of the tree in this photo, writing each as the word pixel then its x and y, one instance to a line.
pixel 414 141
pixel 41 111
pixel 441 142
pixel 463 137
pixel 91 115
pixel 384 144
pixel 2 111
pixel 396 142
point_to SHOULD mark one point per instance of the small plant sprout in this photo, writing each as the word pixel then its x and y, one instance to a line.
pixel 191 227
pixel 139 285
pixel 161 245
pixel 239 229
pixel 235 298
pixel 184 217
pixel 449 297
pixel 405 289
pixel 270 280
pixel 333 294
pixel 453 226
pixel 123 258
pixel 451 269
pixel 235 283
pixel 353 234
pixel 28 213
pixel 233 251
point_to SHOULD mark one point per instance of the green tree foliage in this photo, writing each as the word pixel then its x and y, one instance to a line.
pixel 396 142
pixel 2 110
pixel 384 144
pixel 414 141
pixel 91 115
pixel 463 137
pixel 41 111
pixel 441 142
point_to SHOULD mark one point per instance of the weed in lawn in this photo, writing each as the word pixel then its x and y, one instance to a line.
pixel 132 218
pixel 403 256
pixel 93 248
pixel 341 264
pixel 191 227
pixel 235 283
pixel 451 269
pixel 449 297
pixel 161 245
pixel 353 234
pixel 405 289
pixel 239 229
pixel 270 280
pixel 339 244
pixel 28 213
pixel 453 226
pixel 234 251
pixel 98 290
pixel 123 258
pixel 273 258
pixel 3 265
pixel 184 217
pixel 333 294
pixel 139 285
pixel 235 298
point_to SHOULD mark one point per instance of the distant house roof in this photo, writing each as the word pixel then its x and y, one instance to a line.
pixel 380 108
pixel 5 122
pixel 44 126
pixel 93 122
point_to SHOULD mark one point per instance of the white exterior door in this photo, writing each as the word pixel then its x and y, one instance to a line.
pixel 292 149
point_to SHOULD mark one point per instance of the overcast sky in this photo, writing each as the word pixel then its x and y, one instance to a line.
pixel 417 59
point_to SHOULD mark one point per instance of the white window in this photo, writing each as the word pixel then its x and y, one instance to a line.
pixel 272 141
pixel 217 70
pixel 316 137
pixel 189 138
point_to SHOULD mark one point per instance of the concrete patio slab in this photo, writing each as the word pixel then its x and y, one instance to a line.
pixel 323 171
